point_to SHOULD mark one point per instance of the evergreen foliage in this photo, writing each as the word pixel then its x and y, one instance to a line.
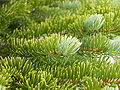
pixel 59 44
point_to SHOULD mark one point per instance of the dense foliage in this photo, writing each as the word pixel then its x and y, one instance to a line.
pixel 60 44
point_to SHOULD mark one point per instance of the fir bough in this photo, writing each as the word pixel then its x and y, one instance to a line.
pixel 59 44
